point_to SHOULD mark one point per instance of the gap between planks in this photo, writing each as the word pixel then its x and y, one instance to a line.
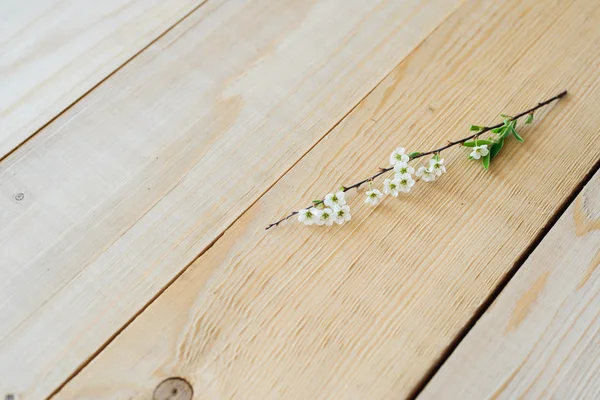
pixel 503 282
pixel 100 82
pixel 258 198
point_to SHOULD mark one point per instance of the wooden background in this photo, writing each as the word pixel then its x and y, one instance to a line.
pixel 145 145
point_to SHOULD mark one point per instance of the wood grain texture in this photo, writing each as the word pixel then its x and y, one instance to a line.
pixel 365 309
pixel 53 51
pixel 126 189
pixel 541 338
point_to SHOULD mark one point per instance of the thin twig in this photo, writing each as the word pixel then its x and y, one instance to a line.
pixel 435 151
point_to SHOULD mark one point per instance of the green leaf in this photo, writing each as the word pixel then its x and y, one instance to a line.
pixel 478 142
pixel 470 158
pixel 516 135
pixel 505 116
pixel 486 161
pixel 317 202
pixel 495 149
pixel 414 154
pixel 436 156
pixel 498 130
pixel 342 188
pixel 506 129
pixel 529 118
pixel 475 128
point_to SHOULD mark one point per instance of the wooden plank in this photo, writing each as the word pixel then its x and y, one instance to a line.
pixel 364 310
pixel 54 51
pixel 131 184
pixel 541 338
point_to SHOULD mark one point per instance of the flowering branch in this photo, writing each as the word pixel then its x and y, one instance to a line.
pixel 333 207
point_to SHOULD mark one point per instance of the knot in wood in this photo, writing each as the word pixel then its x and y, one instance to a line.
pixel 173 389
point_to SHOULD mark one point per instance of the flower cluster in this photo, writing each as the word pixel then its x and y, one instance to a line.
pixel 333 208
pixel 402 178
pixel 325 212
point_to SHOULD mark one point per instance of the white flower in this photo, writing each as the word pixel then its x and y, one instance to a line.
pixel 390 186
pixel 426 174
pixel 437 166
pixel 335 199
pixel 405 184
pixel 373 197
pixel 399 156
pixel 309 216
pixel 326 217
pixel 403 170
pixel 341 214
pixel 479 151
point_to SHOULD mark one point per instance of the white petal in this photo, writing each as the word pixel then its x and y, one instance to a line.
pixel 399 166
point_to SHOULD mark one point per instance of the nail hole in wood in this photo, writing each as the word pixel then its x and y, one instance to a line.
pixel 173 389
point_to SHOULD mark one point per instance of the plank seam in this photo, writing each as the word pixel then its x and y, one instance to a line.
pixel 101 81
pixel 100 349
pixel 486 304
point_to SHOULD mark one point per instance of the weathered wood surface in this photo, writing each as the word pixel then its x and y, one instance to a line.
pixel 541 338
pixel 366 309
pixel 52 52
pixel 127 187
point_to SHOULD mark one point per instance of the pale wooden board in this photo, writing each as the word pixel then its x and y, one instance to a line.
pixel 364 310
pixel 541 337
pixel 53 51
pixel 126 188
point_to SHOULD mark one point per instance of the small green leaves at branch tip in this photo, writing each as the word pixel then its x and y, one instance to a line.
pixel 487 150
pixel 414 154
pixel 529 118
pixel 475 128
pixel 485 160
pixel 495 149
pixel 517 136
